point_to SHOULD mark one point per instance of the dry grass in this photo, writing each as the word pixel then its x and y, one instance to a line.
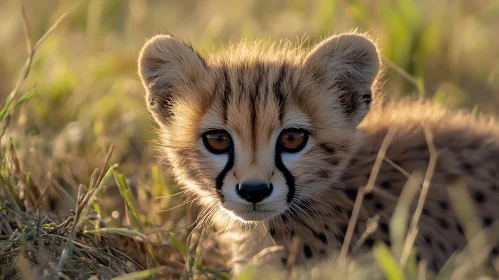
pixel 77 95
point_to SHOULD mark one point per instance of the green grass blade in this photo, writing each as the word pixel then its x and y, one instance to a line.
pixel 127 196
pixel 24 98
pixel 6 106
pixel 178 245
pixel 120 231
pixel 96 207
pixel 143 274
pixel 98 190
pixel 4 129
pixel 159 182
pixel 400 217
pixel 93 180
pixel 388 263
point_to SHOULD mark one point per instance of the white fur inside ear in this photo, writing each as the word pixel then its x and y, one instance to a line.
pixel 164 57
pixel 166 65
pixel 352 53
pixel 346 65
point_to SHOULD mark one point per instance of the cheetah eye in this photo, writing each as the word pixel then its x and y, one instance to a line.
pixel 293 140
pixel 217 141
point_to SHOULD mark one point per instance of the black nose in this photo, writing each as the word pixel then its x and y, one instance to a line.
pixel 254 192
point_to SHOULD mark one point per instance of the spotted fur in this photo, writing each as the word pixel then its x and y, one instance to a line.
pixel 254 92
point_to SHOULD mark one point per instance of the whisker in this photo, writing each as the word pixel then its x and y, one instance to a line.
pixel 269 234
pixel 171 195
pixel 180 205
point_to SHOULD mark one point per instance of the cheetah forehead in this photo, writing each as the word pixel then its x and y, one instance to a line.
pixel 255 88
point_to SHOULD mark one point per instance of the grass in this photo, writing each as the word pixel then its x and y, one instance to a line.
pixel 71 207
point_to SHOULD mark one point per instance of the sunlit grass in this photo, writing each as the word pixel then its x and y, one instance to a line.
pixel 80 94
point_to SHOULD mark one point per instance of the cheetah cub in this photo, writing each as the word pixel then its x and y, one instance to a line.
pixel 278 138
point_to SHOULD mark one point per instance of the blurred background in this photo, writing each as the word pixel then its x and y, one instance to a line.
pixel 88 94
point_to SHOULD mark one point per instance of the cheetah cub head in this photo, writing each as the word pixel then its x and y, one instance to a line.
pixel 257 132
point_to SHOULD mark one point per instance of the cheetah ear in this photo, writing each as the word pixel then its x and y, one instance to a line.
pixel 346 65
pixel 167 67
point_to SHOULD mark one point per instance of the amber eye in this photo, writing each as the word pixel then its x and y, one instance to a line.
pixel 217 141
pixel 293 140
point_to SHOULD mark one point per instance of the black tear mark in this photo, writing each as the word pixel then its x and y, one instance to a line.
pixel 219 181
pixel 290 179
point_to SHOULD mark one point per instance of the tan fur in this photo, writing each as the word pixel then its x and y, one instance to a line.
pixel 253 92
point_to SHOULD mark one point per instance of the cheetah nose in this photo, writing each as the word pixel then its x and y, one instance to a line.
pixel 254 192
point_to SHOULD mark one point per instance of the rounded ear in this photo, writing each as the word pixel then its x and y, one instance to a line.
pixel 346 65
pixel 166 66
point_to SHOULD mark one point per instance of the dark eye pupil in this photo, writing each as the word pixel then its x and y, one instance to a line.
pixel 216 141
pixel 293 140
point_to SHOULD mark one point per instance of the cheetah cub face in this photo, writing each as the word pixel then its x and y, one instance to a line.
pixel 258 132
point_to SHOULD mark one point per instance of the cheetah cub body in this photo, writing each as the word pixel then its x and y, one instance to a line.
pixel 278 138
